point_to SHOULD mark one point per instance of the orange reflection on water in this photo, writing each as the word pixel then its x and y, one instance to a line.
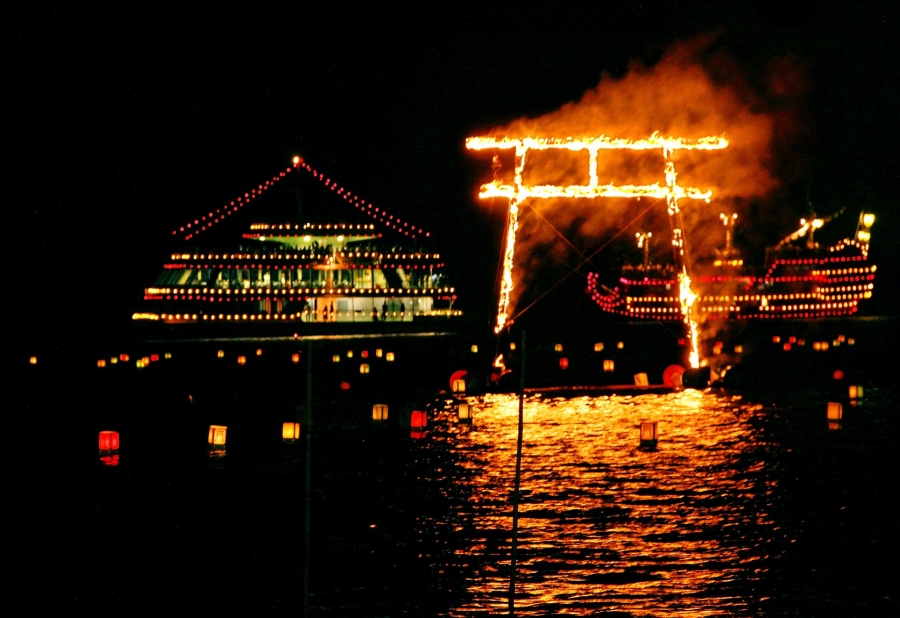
pixel 605 525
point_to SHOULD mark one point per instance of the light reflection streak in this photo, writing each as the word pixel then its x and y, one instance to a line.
pixel 606 526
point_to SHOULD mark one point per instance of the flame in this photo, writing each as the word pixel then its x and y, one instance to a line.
pixel 686 297
pixel 518 191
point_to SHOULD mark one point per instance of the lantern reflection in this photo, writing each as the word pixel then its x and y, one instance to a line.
pixel 110 460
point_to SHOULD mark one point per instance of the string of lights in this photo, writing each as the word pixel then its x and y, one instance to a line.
pixel 205 222
pixel 380 215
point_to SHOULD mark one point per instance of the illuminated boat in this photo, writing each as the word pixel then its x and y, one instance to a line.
pixel 367 276
pixel 800 280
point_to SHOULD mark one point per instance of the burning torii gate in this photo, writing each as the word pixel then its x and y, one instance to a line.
pixel 517 192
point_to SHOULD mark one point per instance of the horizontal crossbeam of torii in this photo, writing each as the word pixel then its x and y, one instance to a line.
pixel 518 191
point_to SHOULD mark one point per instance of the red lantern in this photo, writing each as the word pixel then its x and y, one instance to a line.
pixel 418 419
pixel 564 363
pixel 109 440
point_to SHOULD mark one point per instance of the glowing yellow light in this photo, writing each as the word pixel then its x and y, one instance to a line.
pixel 380 412
pixel 217 435
pixel 868 219
pixel 290 431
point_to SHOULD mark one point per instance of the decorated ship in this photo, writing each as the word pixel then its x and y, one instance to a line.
pixel 379 276
pixel 799 280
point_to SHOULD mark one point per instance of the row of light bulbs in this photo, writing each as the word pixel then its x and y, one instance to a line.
pixel 390 220
pixel 205 222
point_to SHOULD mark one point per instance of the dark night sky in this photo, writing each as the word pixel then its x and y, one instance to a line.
pixel 121 125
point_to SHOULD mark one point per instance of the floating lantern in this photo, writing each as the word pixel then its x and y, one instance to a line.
pixel 108 441
pixel 851 341
pixel 649 435
pixel 113 360
pixel 564 363
pixel 598 347
pixel 380 412
pixel 838 374
pixel 672 376
pixel 620 345
pixel 609 365
pixel 418 419
pixel 474 349
pixel 167 355
pixel 776 339
pixel 856 391
pixel 349 353
pixel 458 385
pixel 217 435
pixel 33 360
pixel 364 354
pixel 558 347
pixel 154 358
pixel 841 338
pixel 290 432
pixel 464 412
pixel 835 411
pixel 512 345
pixel 259 352
pixel 345 386
pixel 364 368
pixel 738 349
pixel 122 357
pixel 295 358
pixel 379 353
pixel 786 347
pixel 221 353
pixel 389 357
pixel 101 363
pixel 336 358
pixel 242 360
pixel 640 379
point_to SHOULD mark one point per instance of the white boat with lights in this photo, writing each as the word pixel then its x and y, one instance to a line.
pixel 314 277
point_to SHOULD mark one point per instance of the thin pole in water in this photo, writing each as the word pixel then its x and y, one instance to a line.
pixel 308 484
pixel 515 526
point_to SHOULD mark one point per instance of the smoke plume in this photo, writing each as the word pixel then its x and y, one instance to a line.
pixel 690 93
